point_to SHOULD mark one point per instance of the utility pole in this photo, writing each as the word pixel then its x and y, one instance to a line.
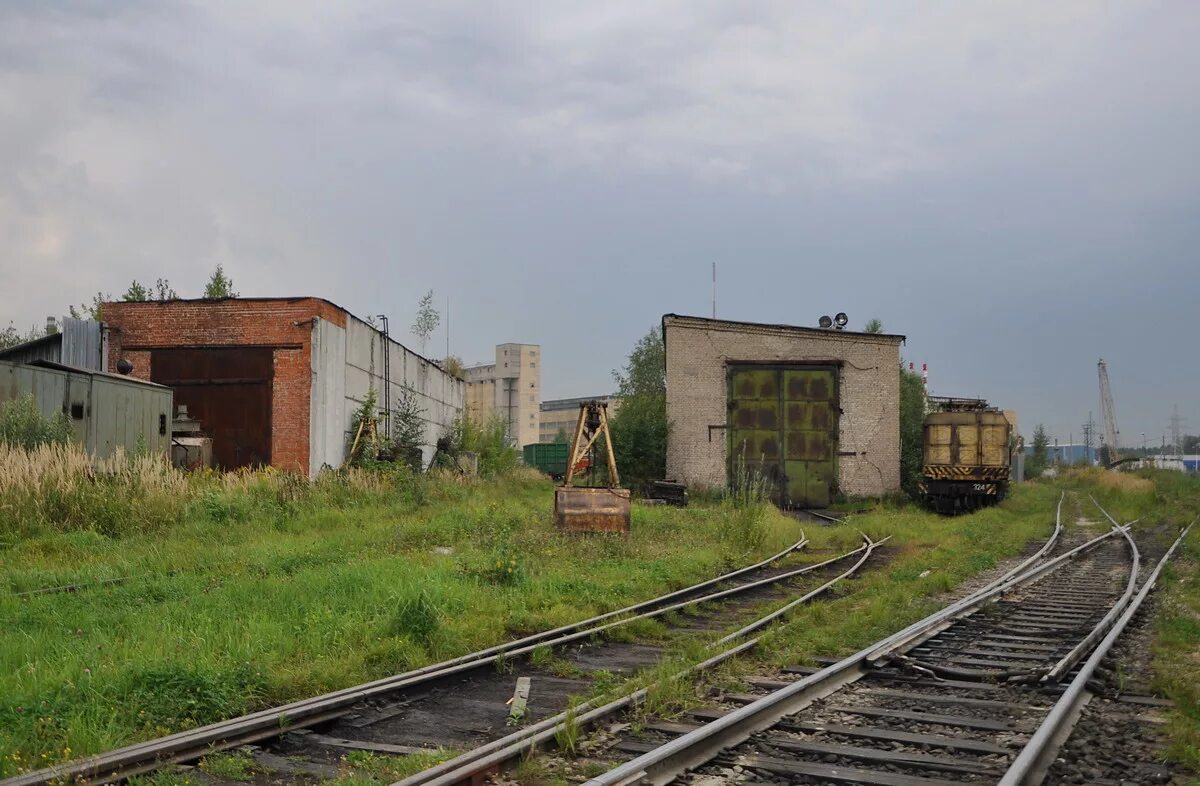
pixel 1089 436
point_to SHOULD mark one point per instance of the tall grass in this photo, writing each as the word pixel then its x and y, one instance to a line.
pixel 239 591
pixel 59 488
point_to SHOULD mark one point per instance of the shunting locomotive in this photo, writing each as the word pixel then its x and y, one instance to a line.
pixel 967 452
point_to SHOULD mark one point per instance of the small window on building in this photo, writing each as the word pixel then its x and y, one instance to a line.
pixel 77 410
pixel 533 365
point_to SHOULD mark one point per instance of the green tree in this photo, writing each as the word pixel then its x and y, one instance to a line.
pixel 912 421
pixel 873 326
pixel 136 293
pixel 427 320
pixel 1037 462
pixel 164 291
pixel 10 336
pixel 408 430
pixel 219 285
pixel 640 427
pixel 92 311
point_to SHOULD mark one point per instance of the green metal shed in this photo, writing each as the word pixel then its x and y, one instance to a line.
pixel 107 411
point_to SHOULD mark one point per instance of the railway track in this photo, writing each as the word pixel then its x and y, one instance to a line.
pixel 984 691
pixel 462 702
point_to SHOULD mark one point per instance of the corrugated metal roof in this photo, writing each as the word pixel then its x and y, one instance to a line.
pixel 93 372
pixel 33 349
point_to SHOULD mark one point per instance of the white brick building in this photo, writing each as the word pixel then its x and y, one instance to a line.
pixel 815 411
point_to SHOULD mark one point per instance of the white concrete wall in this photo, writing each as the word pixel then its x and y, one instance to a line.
pixel 327 423
pixel 439 395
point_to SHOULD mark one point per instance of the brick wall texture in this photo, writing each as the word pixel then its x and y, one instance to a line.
pixel 698 351
pixel 284 325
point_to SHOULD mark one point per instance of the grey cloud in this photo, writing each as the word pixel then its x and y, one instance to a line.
pixel 994 180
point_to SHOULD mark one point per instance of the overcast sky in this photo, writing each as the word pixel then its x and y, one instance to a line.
pixel 1014 186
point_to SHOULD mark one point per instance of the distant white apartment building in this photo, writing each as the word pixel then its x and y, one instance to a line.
pixel 511 388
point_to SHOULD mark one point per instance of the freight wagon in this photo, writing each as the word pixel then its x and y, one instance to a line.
pixel 967 453
pixel 551 458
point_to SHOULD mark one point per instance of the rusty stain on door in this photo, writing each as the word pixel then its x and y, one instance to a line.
pixel 228 389
pixel 783 426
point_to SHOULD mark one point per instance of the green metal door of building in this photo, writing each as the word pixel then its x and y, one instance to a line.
pixel 782 429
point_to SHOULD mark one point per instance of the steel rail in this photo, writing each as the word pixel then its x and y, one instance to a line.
pixel 902 641
pixel 1033 762
pixel 1068 661
pixel 182 746
pixel 1064 664
pixel 485 758
pixel 698 746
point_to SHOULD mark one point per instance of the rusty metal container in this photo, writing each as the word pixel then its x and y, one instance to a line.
pixel 579 509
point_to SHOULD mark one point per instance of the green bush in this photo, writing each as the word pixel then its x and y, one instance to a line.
pixel 489 441
pixel 22 425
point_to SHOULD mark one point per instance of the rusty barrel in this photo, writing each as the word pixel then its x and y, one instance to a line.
pixel 580 509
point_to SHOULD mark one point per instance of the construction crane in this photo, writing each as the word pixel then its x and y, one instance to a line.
pixel 1109 414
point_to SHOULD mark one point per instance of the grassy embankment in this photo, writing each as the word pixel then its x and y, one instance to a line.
pixel 244 591
pixel 932 554
pixel 1177 625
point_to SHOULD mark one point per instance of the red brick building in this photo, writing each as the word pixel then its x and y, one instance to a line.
pixel 274 381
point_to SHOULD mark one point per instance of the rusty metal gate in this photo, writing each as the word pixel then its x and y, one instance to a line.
pixel 783 428
pixel 228 389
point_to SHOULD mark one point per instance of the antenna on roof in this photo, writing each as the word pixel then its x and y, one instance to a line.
pixel 714 265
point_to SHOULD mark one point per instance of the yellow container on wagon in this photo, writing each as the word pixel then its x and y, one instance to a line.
pixel 967 453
